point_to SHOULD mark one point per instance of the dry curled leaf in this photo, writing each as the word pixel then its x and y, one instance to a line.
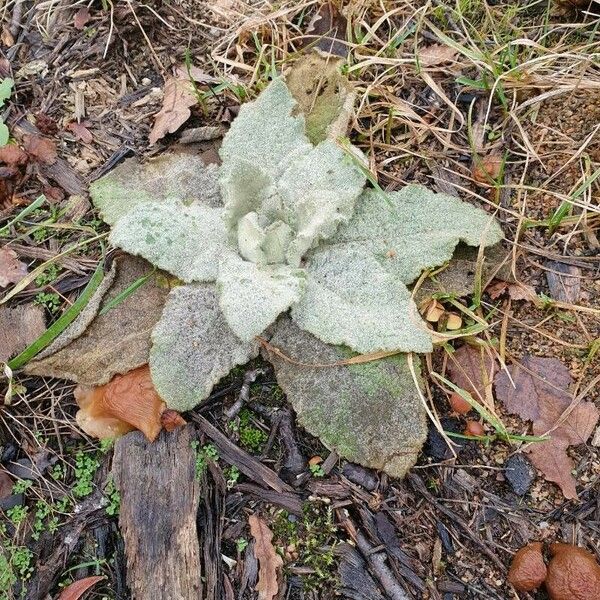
pixel 19 327
pixel 436 54
pixel 12 270
pixel 573 574
pixel 516 291
pixel 81 132
pixel 527 569
pixel 540 394
pixel 126 403
pixel 269 561
pixel 81 18
pixel 12 155
pixel 473 369
pixel 41 149
pixel 179 96
pixel 75 590
pixel 326 31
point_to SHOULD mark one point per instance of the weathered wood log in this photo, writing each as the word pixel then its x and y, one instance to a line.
pixel 159 502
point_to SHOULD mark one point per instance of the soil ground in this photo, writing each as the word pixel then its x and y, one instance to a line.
pixel 522 85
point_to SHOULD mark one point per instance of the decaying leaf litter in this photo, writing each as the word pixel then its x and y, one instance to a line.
pixel 413 145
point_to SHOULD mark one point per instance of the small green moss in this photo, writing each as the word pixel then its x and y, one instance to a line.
pixel 310 541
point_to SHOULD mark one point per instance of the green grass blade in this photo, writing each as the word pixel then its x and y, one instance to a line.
pixel 27 210
pixel 126 293
pixel 62 322
pixel 484 413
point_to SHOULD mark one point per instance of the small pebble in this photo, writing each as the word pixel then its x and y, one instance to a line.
pixel 519 473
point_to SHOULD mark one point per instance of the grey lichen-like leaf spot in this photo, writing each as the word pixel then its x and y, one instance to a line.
pixel 368 413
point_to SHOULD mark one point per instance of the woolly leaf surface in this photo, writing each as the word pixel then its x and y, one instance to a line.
pixel 193 348
pixel 168 178
pixel 318 192
pixel 265 132
pixel 368 413
pixel 252 296
pixel 350 299
pixel 186 241
pixel 414 229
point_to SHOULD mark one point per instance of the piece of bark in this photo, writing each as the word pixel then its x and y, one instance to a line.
pixel 564 281
pixel 159 501
pixel 356 582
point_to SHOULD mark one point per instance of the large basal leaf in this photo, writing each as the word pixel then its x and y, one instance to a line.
pixel 193 347
pixel 265 132
pixel 350 299
pixel 166 179
pixel 356 282
pixel 318 191
pixel 368 413
pixel 252 296
pixel 186 241
pixel 415 229
pixel 95 346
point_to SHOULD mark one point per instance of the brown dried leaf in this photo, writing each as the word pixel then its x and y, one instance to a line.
pixel 12 155
pixel 473 370
pixel 127 402
pixel 81 132
pixel 6 485
pixel 81 18
pixel 327 31
pixel 75 590
pixel 540 394
pixel 269 561
pixel 516 291
pixel 96 347
pixel 179 96
pixel 19 327
pixel 12 270
pixel 436 54
pixel 40 149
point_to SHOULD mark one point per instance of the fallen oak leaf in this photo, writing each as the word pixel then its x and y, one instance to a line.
pixel 12 270
pixel 269 561
pixel 516 291
pixel 125 403
pixel 540 394
pixel 75 590
pixel 179 96
pixel 473 370
pixel 19 327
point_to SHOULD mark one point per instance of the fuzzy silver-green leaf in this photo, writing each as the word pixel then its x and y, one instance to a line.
pixel 252 296
pixel 350 299
pixel 186 241
pixel 193 348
